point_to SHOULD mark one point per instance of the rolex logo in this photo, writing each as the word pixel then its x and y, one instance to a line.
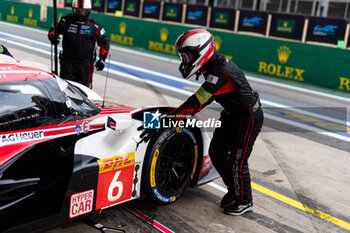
pixel 218 42
pixel 164 34
pixel 30 13
pixel 12 10
pixel 122 28
pixel 283 54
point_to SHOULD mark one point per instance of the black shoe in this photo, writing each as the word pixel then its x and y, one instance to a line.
pixel 239 209
pixel 228 199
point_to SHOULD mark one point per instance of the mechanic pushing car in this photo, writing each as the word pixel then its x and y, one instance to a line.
pixel 241 119
pixel 80 34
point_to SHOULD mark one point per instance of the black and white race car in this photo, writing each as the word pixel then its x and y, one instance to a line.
pixel 65 154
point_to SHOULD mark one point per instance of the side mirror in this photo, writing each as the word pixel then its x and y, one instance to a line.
pixel 121 125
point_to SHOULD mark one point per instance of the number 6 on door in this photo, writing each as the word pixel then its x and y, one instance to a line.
pixel 115 184
pixel 115 180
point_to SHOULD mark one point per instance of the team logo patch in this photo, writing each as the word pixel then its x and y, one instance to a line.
pixel 81 203
pixel 212 79
pixel 151 120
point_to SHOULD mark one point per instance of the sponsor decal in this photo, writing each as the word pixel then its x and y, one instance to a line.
pixel 82 128
pixel 78 128
pixel 325 31
pixel 195 15
pixel 162 46
pixel 81 203
pixel 113 4
pixel 344 84
pixel 151 120
pixel 150 9
pixel 29 21
pixel 86 32
pixel 116 162
pixel 115 180
pixel 12 18
pixel 221 17
pixel 171 12
pixel 285 26
pixel 97 3
pixel 212 79
pixel 153 168
pixel 21 137
pixel 282 70
pixel 131 7
pixel 206 164
pixel 86 126
pixel 251 22
pixel 121 38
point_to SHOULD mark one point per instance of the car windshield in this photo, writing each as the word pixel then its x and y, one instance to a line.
pixel 22 106
pixel 77 99
pixel 36 103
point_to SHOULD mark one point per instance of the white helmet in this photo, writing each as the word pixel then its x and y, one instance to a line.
pixel 81 8
pixel 195 47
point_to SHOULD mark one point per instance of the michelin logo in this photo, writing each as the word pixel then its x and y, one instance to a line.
pixel 21 137
pixel 151 120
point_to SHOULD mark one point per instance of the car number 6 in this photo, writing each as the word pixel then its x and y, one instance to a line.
pixel 115 184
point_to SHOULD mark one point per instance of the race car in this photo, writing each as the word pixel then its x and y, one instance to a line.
pixel 65 153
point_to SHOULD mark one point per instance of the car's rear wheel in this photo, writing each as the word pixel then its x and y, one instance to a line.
pixel 170 165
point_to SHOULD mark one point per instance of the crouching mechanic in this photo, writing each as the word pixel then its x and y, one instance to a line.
pixel 80 34
pixel 241 119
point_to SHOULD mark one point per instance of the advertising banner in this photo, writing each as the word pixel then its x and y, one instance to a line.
pixel 253 21
pixel 172 12
pixel 151 9
pixel 223 18
pixel 98 5
pixel 132 7
pixel 68 3
pixel 327 30
pixel 196 15
pixel 114 5
pixel 287 26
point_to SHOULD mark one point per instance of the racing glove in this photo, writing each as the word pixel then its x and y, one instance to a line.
pixel 100 64
pixel 147 134
pixel 54 39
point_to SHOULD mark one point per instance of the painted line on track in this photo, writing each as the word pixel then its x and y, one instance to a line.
pixel 293 203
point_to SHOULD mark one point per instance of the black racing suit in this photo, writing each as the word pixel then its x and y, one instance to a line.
pixel 241 122
pixel 79 51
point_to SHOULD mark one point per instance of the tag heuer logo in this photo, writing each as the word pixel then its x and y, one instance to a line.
pixel 283 54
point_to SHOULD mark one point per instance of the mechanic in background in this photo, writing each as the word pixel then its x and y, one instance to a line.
pixel 80 34
pixel 4 50
pixel 241 119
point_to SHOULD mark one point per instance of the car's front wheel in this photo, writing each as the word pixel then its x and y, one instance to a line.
pixel 170 165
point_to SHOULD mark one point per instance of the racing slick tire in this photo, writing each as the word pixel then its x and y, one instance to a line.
pixel 170 165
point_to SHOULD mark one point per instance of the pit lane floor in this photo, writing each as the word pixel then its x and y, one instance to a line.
pixel 292 176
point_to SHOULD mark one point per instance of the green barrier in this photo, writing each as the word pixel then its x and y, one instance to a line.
pixel 303 63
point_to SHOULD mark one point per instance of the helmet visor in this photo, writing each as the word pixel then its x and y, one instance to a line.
pixel 81 11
